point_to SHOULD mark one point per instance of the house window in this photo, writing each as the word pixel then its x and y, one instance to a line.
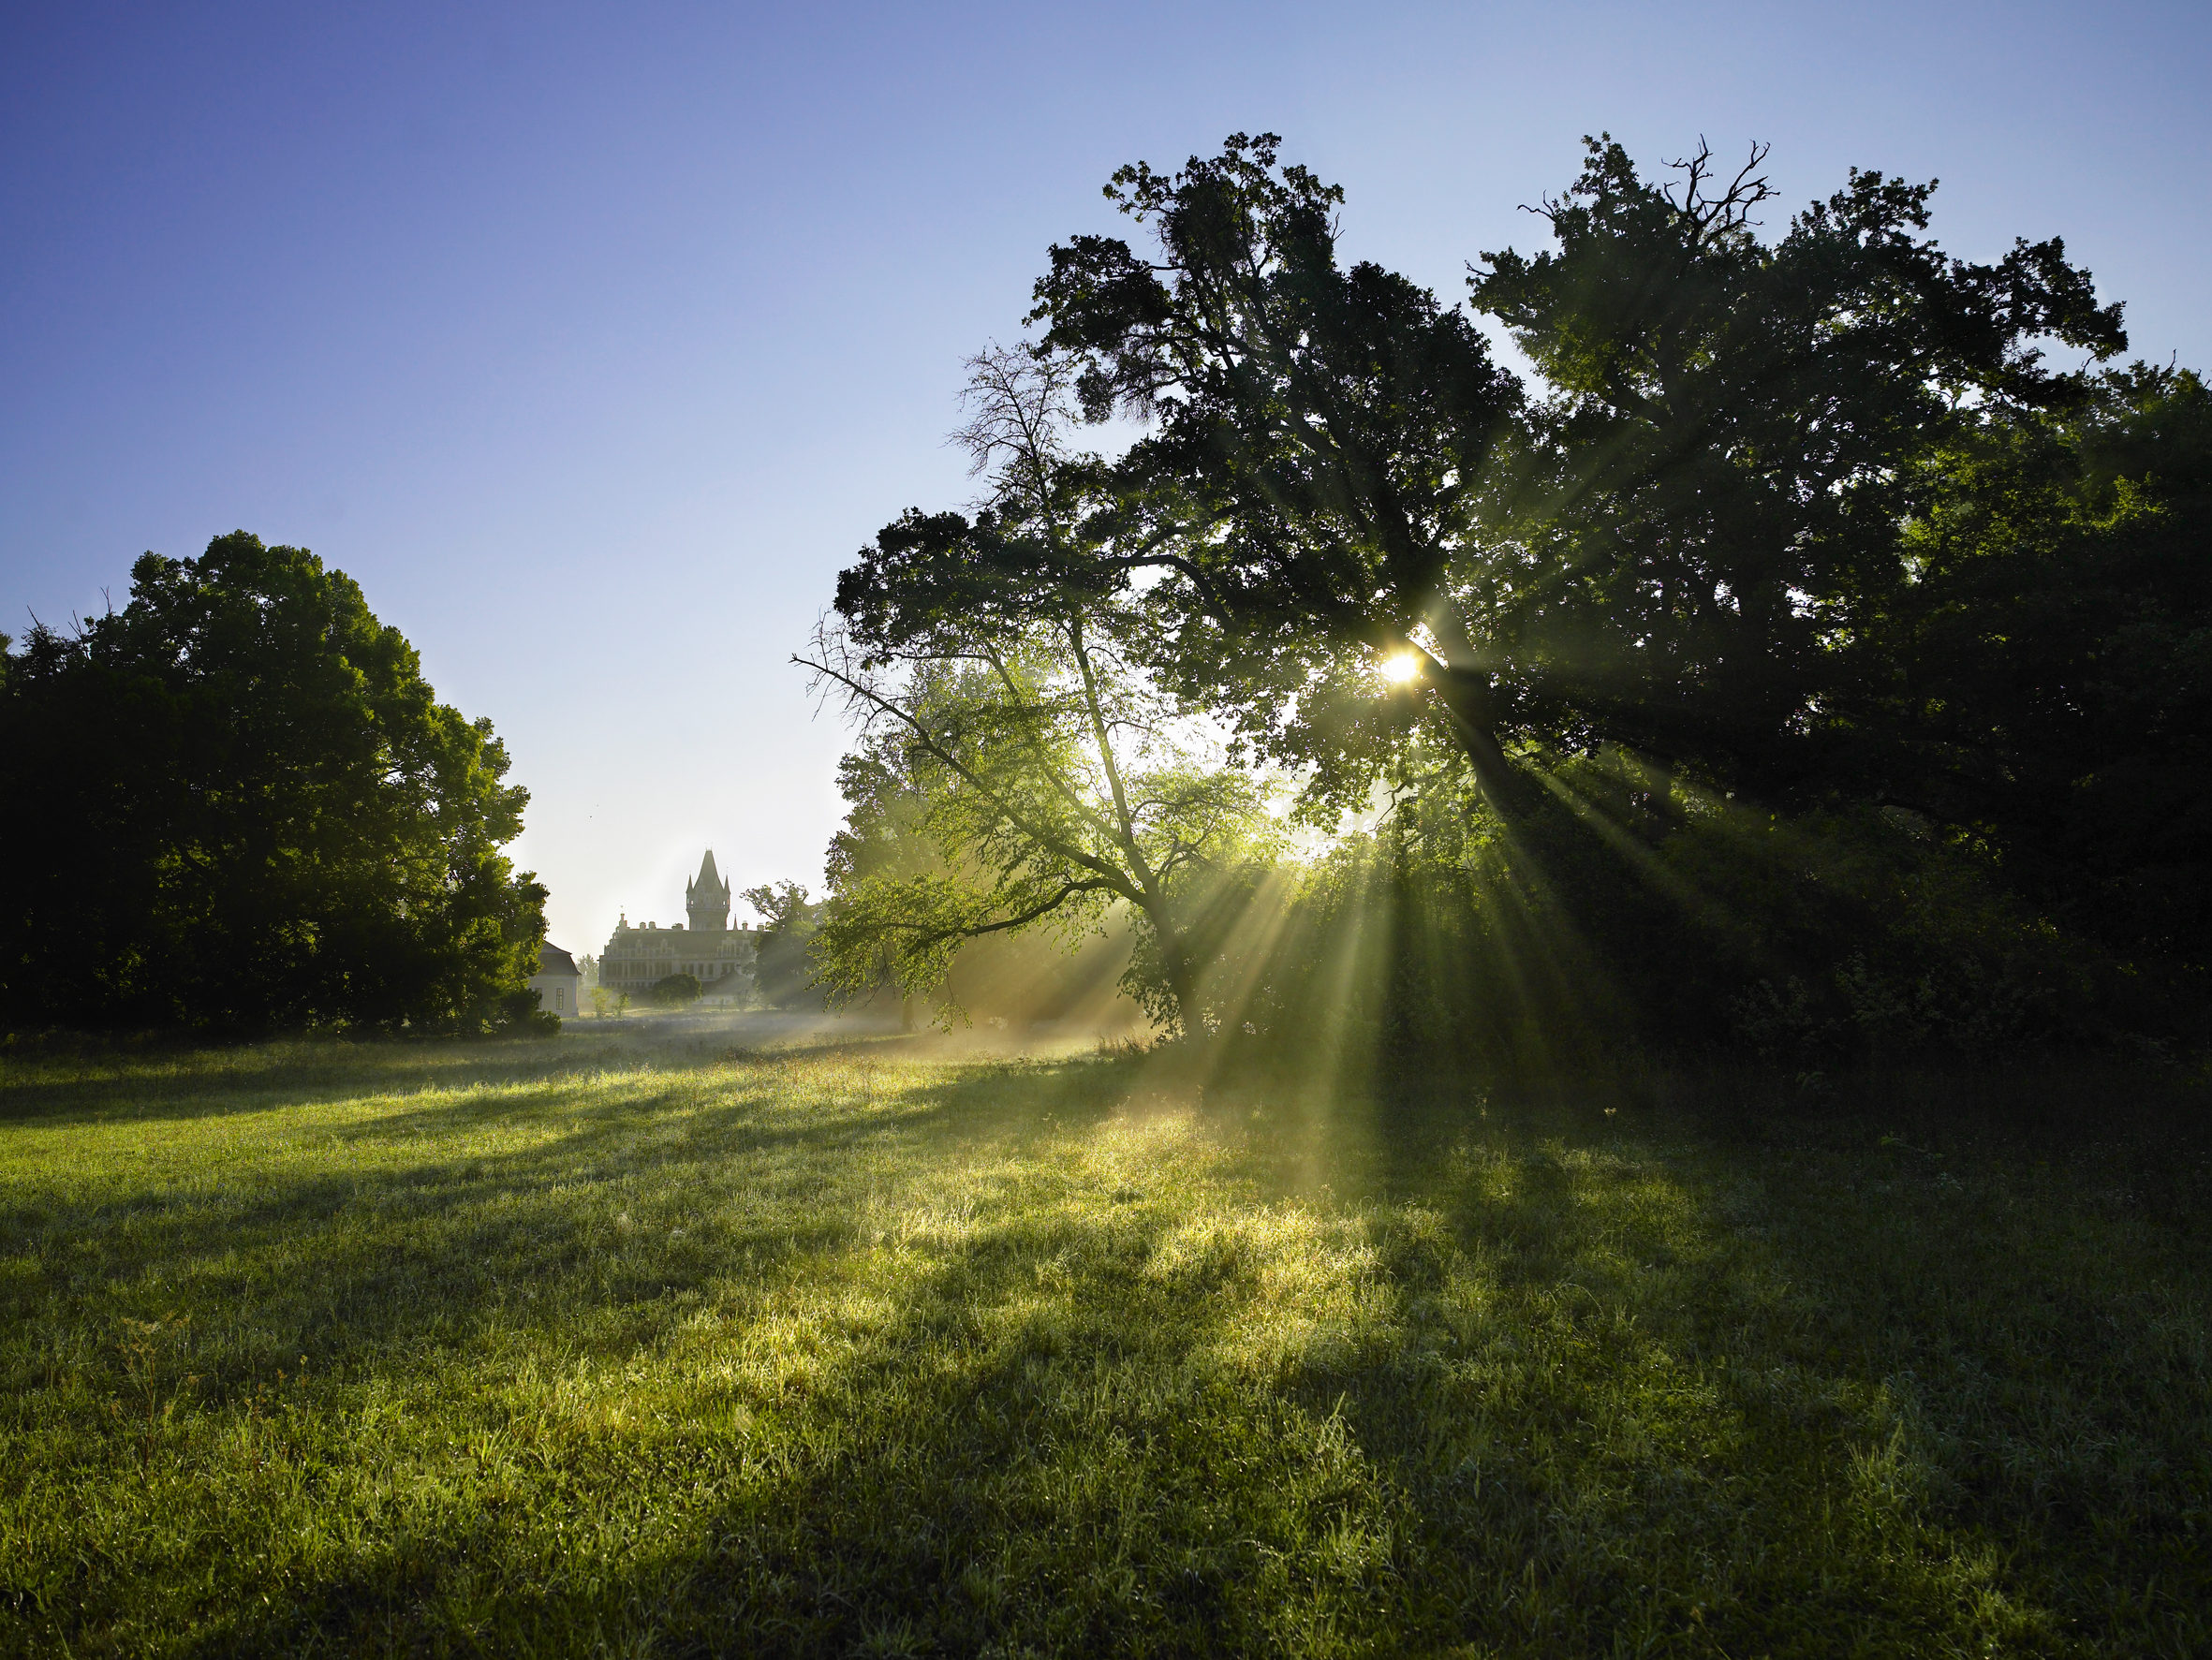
pixel 559 992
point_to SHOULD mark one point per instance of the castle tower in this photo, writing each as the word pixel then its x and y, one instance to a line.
pixel 706 899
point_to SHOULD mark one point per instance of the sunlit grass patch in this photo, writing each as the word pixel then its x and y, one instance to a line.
pixel 836 1350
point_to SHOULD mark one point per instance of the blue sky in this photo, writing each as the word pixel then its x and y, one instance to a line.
pixel 594 340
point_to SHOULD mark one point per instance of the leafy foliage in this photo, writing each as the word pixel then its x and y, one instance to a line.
pixel 1019 771
pixel 2043 687
pixel 1322 442
pixel 235 802
pixel 674 990
pixel 1659 554
pixel 781 967
pixel 1792 533
pixel 1716 490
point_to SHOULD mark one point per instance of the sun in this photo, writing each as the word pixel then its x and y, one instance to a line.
pixel 1401 669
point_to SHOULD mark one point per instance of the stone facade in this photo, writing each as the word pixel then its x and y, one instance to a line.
pixel 719 956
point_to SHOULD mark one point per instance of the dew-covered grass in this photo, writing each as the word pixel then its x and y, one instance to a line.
pixel 605 1346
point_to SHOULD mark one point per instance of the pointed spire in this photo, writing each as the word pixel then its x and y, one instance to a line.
pixel 706 899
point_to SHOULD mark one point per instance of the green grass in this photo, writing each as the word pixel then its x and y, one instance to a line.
pixel 594 1347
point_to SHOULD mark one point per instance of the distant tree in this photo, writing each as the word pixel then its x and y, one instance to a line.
pixel 1019 770
pixel 602 1001
pixel 675 991
pixel 782 970
pixel 235 802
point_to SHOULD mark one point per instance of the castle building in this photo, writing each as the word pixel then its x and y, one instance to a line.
pixel 704 946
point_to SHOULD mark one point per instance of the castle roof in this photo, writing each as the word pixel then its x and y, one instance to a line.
pixel 708 875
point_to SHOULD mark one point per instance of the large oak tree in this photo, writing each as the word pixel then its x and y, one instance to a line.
pixel 1658 551
pixel 236 802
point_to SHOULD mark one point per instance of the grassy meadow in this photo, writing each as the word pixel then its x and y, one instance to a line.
pixel 652 1340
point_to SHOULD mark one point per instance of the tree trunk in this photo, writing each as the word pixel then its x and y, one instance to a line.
pixel 1465 694
pixel 1183 982
pixel 1174 959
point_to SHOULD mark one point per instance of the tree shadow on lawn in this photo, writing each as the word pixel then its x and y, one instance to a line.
pixel 102 1086
pixel 1552 1398
pixel 600 1239
pixel 1005 1362
pixel 1985 1337
pixel 654 1185
pixel 94 1082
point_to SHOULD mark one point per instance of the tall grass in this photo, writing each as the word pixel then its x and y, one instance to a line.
pixel 605 1346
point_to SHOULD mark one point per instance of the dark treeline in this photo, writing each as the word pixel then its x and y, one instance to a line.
pixel 235 804
pixel 1812 656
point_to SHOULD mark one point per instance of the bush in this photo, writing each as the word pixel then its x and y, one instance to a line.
pixel 520 1016
pixel 674 990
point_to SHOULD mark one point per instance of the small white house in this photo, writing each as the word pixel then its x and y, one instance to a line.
pixel 558 983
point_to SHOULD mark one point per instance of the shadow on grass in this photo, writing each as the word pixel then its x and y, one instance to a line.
pixel 1005 1362
pixel 99 1082
pixel 102 1087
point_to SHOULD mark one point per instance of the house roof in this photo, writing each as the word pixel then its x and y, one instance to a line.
pixel 552 959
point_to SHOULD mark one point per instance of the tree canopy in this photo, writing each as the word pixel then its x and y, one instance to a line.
pixel 236 802
pixel 1019 769
pixel 1803 557
pixel 1717 490
pixel 1659 550
pixel 675 991
pixel 2044 683
pixel 782 970
pixel 1321 441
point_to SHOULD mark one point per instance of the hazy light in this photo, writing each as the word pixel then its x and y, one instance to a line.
pixel 1400 669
